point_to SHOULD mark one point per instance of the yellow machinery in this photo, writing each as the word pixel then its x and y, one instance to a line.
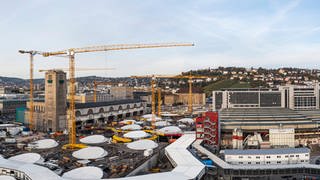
pixel 190 81
pixel 31 110
pixel 159 102
pixel 117 139
pixel 71 52
pixel 74 146
pixel 153 98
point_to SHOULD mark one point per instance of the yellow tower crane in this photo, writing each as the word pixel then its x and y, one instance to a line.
pixel 71 54
pixel 153 97
pixel 95 87
pixel 31 110
pixel 159 102
pixel 190 81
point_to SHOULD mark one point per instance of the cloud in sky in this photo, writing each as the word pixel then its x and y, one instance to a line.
pixel 246 33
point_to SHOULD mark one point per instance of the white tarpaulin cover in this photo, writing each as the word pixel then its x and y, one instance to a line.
pixel 27 158
pixel 162 123
pixel 44 144
pixel 170 130
pixel 142 144
pixel 94 139
pixel 88 172
pixel 131 127
pixel 186 120
pixel 7 178
pixel 136 134
pixel 90 153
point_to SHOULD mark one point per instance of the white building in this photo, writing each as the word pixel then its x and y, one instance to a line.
pixel 267 156
pixel 282 137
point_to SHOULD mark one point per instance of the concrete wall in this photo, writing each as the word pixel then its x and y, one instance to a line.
pixel 150 163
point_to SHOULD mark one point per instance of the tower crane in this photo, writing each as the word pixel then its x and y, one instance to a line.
pixel 153 97
pixel 190 81
pixel 71 52
pixel 159 102
pixel 95 87
pixel 31 53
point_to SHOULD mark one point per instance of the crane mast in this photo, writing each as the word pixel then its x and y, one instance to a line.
pixel 159 101
pixel 31 110
pixel 190 93
pixel 31 93
pixel 153 103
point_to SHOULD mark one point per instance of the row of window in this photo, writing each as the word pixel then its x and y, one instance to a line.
pixel 268 157
pixel 268 162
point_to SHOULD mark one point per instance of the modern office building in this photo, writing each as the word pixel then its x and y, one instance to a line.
pixel 258 110
pixel 295 97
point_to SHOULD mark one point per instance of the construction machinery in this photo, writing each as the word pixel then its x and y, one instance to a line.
pixel 31 110
pixel 95 87
pixel 71 52
pixel 159 102
pixel 190 81
pixel 153 97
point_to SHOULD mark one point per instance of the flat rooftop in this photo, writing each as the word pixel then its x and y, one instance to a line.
pixel 266 151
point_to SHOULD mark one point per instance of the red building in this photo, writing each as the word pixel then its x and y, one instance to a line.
pixel 208 128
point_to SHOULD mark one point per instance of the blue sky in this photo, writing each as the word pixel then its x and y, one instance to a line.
pixel 267 33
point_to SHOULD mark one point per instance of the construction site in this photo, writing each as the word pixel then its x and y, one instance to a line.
pixel 111 138
pixel 112 130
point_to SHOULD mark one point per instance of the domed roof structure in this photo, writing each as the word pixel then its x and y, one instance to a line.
pixel 142 144
pixel 131 127
pixel 94 139
pixel 27 158
pixel 136 135
pixel 44 144
pixel 82 173
pixel 90 153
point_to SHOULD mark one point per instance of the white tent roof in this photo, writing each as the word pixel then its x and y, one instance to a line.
pixel 170 130
pixel 27 158
pixel 136 134
pixel 88 172
pixel 94 139
pixel 139 122
pixel 169 114
pixel 156 119
pixel 186 120
pixel 44 144
pixel 131 127
pixel 142 144
pixel 162 123
pixel 7 125
pixel 7 178
pixel 182 126
pixel 90 153
pixel 147 116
